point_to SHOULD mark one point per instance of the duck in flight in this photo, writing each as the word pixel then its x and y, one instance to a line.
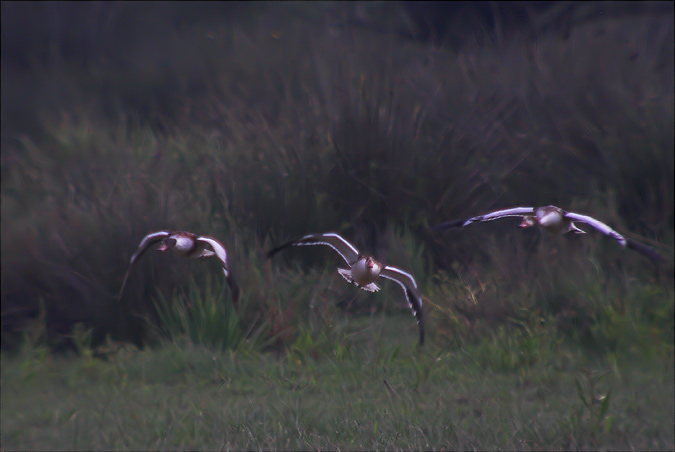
pixel 364 270
pixel 188 245
pixel 556 221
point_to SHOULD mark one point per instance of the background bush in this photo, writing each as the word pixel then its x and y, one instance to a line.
pixel 254 124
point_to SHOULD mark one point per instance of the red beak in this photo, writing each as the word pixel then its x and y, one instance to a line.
pixel 526 223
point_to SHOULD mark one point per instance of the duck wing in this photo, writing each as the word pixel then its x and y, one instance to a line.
pixel 149 241
pixel 494 215
pixel 599 225
pixel 412 294
pixel 345 249
pixel 215 246
pixel 608 231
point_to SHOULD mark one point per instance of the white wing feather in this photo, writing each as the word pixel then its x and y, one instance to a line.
pixel 345 249
pixel 147 241
pixel 497 214
pixel 599 225
pixel 219 250
pixel 407 282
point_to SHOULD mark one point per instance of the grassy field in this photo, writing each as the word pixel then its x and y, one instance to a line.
pixel 511 391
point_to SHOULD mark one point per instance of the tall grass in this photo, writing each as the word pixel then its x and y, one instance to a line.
pixel 257 131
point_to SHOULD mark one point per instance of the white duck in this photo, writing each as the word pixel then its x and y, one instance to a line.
pixel 364 270
pixel 188 245
pixel 556 221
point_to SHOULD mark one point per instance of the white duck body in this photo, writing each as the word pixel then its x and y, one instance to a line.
pixel 364 271
pixel 185 246
pixel 552 219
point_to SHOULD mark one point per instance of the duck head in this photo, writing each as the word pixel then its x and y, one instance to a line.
pixel 167 244
pixel 373 267
pixel 527 222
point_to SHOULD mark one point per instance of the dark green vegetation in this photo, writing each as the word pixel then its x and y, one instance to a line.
pixel 263 124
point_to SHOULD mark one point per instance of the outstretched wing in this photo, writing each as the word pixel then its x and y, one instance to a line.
pixel 412 294
pixel 215 246
pixel 345 249
pixel 221 253
pixel 608 231
pixel 599 225
pixel 495 215
pixel 150 240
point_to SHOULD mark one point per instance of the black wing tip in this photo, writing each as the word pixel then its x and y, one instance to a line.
pixel 417 311
pixel 420 322
pixel 648 251
pixel 274 251
pixel 234 285
pixel 124 282
pixel 234 289
pixel 448 225
pixel 309 238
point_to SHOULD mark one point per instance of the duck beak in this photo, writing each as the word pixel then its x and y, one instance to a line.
pixel 167 244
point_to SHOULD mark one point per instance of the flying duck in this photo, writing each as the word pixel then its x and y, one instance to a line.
pixel 364 270
pixel 556 221
pixel 188 245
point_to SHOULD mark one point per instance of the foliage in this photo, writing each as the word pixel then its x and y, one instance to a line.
pixel 266 128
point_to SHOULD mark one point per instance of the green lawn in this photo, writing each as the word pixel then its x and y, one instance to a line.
pixel 507 392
